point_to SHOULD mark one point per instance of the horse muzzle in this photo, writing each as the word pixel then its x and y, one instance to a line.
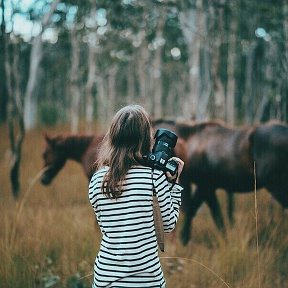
pixel 45 180
pixel 47 176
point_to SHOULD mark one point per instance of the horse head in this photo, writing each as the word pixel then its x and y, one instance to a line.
pixel 54 159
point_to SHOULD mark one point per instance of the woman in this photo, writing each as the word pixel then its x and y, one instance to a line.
pixel 121 195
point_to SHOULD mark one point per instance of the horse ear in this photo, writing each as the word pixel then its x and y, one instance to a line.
pixel 48 139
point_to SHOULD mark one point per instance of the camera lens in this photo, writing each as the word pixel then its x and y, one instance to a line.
pixel 152 157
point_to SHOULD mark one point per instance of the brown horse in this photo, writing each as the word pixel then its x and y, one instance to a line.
pixel 217 156
pixel 80 148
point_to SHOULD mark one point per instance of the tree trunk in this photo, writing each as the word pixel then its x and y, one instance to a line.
pixel 142 72
pixel 89 86
pixel 189 21
pixel 285 61
pixel 131 82
pixel 14 115
pixel 30 106
pixel 111 92
pixel 157 73
pixel 218 88
pixel 101 99
pixel 267 90
pixel 74 86
pixel 92 49
pixel 206 85
pixel 230 99
pixel 3 84
pixel 247 98
pixel 170 99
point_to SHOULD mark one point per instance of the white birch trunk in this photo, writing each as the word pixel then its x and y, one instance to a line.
pixel 206 85
pixel 247 98
pixel 230 100
pixel 189 21
pixel 91 77
pixel 157 73
pixel 267 90
pixel 218 88
pixel 30 102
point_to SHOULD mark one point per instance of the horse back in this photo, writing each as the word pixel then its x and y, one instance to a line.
pixel 219 156
pixel 270 151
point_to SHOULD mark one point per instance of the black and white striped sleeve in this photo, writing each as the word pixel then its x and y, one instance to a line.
pixel 169 198
pixel 94 190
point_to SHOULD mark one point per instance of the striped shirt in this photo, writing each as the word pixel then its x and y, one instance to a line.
pixel 128 255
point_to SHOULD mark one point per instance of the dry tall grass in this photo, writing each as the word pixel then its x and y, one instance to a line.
pixel 48 238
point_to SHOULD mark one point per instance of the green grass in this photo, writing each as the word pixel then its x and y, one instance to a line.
pixel 48 238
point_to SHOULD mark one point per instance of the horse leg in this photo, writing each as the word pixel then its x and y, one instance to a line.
pixel 215 210
pixel 280 194
pixel 192 205
pixel 230 207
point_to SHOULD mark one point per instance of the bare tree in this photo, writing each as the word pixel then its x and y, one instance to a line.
pixel 285 59
pixel 74 76
pixel 101 100
pixel 206 83
pixel 131 81
pixel 267 89
pixel 91 77
pixel 190 23
pixel 90 85
pixel 248 97
pixel 3 86
pixel 218 39
pixel 111 95
pixel 14 113
pixel 156 78
pixel 230 98
pixel 30 107
pixel 142 57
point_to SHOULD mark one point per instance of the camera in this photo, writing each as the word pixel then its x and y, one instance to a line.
pixel 165 141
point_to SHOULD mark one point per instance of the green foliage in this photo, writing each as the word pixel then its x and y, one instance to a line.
pixel 48 114
pixel 120 30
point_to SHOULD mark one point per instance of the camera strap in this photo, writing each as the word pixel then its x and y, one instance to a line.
pixel 158 222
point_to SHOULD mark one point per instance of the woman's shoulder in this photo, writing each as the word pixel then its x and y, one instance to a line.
pixel 139 169
pixel 99 173
pixel 145 169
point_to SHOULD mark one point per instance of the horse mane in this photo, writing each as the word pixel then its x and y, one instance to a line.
pixel 73 145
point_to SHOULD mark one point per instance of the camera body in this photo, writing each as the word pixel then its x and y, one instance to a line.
pixel 165 141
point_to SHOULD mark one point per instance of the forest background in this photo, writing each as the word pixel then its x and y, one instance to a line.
pixel 80 61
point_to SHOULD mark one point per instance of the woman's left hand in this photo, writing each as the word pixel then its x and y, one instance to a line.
pixel 180 166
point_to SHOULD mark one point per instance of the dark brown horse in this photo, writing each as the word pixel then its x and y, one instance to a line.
pixel 217 156
pixel 59 149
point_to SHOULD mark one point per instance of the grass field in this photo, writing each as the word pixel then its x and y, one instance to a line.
pixel 48 238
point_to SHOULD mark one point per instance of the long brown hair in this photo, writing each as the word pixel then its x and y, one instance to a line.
pixel 128 138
